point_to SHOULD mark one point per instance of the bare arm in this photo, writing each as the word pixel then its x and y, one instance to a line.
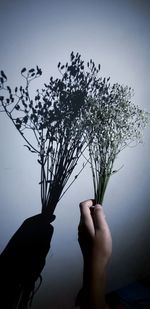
pixel 96 246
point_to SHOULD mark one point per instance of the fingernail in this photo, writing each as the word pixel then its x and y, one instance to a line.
pixel 98 206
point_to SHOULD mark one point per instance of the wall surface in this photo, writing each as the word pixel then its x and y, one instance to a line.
pixel 115 34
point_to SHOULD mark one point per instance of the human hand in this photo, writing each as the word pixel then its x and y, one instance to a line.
pixel 94 234
pixel 96 245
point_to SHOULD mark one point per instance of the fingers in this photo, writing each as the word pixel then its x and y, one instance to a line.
pixel 85 209
pixel 86 218
pixel 102 231
pixel 100 222
pixel 93 217
pixel 87 203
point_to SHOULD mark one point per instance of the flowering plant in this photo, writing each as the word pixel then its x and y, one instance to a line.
pixel 113 122
pixel 51 122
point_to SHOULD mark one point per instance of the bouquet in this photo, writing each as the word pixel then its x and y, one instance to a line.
pixel 112 123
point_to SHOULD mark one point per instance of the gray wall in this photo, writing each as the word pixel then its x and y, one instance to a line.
pixel 115 34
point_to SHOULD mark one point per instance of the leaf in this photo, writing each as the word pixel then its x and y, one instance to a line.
pixel 9 89
pixel 16 89
pixel 39 71
pixel 41 182
pixel 24 104
pixel 72 56
pixel 25 119
pixel 31 70
pixel 3 75
pixel 18 126
pixel 23 70
pixel 18 121
pixel 17 107
pixel 39 162
pixel 12 99
pixel 31 104
pixel 30 149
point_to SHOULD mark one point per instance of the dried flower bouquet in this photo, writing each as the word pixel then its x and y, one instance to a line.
pixel 51 122
pixel 114 122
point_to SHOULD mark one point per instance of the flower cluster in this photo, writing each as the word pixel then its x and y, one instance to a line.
pixel 113 122
pixel 54 116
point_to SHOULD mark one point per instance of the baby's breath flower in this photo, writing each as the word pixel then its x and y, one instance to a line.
pixel 114 122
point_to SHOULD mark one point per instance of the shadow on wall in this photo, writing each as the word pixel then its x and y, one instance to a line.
pixel 23 260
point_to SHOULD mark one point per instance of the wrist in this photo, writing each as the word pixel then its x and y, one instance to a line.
pixel 93 269
pixel 99 265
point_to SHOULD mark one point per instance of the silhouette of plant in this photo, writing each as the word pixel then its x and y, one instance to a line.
pixel 55 117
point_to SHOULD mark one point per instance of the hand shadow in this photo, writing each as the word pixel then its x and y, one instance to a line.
pixel 23 260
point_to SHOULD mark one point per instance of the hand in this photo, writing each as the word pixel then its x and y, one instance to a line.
pixel 96 245
pixel 94 234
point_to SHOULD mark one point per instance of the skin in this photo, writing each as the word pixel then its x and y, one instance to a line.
pixel 96 246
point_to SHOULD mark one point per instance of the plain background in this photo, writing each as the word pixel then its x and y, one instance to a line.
pixel 116 35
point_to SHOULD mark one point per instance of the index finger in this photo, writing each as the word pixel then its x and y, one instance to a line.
pixel 87 203
pixel 99 218
pixel 86 217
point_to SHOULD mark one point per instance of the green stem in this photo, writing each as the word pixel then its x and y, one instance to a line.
pixel 102 185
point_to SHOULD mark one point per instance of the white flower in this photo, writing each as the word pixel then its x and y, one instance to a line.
pixel 113 123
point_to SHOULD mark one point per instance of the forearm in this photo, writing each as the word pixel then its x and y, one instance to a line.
pixel 94 283
pixel 97 287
